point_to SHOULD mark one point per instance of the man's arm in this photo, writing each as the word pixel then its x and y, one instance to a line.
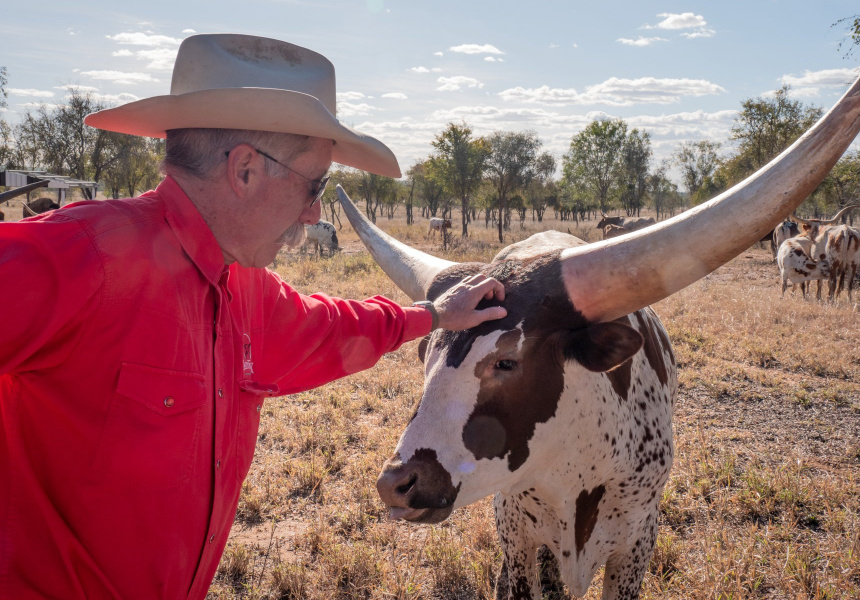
pixel 49 273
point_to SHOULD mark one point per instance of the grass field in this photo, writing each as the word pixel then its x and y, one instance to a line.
pixel 763 501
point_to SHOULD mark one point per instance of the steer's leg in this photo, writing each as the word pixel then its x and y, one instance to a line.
pixel 625 572
pixel 518 577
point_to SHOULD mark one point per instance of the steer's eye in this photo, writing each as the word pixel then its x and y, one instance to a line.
pixel 506 365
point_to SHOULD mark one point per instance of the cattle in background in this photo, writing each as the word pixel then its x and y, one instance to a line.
pixel 796 265
pixel 611 231
pixel 37 207
pixel 2 216
pixel 321 235
pixel 819 231
pixel 842 252
pixel 563 408
pixel 628 223
pixel 785 230
pixel 438 225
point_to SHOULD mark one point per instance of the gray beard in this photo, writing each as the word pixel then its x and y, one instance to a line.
pixel 294 236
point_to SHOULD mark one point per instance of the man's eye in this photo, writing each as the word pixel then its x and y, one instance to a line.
pixel 506 365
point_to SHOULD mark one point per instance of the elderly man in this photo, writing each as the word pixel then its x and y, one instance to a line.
pixel 147 332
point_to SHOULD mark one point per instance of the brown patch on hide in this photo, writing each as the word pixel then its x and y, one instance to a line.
pixel 586 515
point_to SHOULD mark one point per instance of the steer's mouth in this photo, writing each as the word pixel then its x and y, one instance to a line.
pixel 421 515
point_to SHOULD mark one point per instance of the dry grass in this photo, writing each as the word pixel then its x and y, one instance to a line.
pixel 763 501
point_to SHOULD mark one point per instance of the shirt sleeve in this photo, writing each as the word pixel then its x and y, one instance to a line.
pixel 311 340
pixel 50 272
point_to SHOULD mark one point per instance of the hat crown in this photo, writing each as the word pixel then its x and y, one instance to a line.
pixel 215 61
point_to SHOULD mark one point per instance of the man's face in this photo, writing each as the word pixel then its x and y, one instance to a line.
pixel 282 202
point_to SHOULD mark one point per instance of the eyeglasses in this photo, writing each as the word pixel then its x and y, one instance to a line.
pixel 317 185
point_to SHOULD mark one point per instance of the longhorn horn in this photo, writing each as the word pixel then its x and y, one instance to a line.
pixel 609 279
pixel 410 269
pixel 836 218
pixel 793 216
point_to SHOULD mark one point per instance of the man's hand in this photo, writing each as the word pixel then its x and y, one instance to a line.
pixel 457 307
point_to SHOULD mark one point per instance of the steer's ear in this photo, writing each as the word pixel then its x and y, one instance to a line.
pixel 603 346
pixel 422 347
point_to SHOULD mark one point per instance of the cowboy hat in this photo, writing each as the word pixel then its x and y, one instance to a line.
pixel 232 81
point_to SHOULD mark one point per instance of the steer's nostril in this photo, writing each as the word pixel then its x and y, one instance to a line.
pixel 404 489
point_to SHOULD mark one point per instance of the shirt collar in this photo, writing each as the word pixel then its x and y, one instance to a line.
pixel 191 230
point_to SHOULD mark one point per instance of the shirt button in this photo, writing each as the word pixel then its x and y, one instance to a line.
pixel 218 465
pixel 212 538
pixel 220 392
pixel 168 402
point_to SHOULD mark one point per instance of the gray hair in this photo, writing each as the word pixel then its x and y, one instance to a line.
pixel 198 151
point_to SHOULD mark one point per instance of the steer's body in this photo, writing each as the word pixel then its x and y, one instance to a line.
pixel 321 234
pixel 577 455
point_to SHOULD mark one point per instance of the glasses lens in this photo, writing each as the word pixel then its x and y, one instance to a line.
pixel 322 183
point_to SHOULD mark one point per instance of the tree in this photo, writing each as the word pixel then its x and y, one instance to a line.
pixel 663 192
pixel 429 189
pixel 58 139
pixel 635 163
pixel 510 165
pixel 591 165
pixel 542 190
pixel 136 168
pixel 459 164
pixel 6 151
pixel 374 190
pixel 698 162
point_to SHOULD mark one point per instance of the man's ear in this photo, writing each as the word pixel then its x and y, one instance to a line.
pixel 241 165
pixel 603 346
pixel 422 347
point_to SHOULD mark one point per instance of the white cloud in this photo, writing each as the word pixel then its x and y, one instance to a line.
pixel 346 96
pixel 641 41
pixel 31 105
pixel 616 92
pixel 31 93
pixel 123 52
pixel 475 49
pixel 116 99
pixel 120 77
pixel 439 54
pixel 79 88
pixel 424 70
pixel 348 109
pixel 680 21
pixel 493 59
pixel 188 31
pixel 144 39
pixel 702 33
pixel 396 96
pixel 452 84
pixel 826 78
pixel 160 59
pixel 554 46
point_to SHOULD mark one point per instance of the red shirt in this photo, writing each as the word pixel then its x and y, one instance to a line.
pixel 132 374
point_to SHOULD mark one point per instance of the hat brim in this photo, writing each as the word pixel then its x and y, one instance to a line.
pixel 258 109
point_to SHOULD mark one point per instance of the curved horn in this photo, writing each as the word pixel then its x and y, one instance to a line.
pixel 609 279
pixel 835 219
pixel 410 269
pixel 793 216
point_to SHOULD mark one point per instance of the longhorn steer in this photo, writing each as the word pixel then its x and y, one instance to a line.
pixel 563 408
pixel 785 230
pixel 842 252
pixel 819 231
pixel 796 265
pixel 38 206
pixel 438 225
pixel 321 234
pixel 628 223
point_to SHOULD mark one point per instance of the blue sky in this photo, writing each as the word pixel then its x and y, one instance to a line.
pixel 406 68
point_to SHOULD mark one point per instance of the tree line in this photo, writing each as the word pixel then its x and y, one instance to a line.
pixel 497 178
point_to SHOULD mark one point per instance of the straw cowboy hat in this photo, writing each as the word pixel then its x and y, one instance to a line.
pixel 232 81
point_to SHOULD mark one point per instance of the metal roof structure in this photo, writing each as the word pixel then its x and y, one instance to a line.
pixel 15 178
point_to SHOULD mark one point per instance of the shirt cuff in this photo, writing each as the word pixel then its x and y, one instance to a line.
pixel 418 322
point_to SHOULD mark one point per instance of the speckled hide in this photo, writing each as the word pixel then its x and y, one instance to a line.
pixel 321 234
pixel 568 422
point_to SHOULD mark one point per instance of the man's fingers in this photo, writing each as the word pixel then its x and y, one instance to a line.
pixel 493 312
pixel 491 288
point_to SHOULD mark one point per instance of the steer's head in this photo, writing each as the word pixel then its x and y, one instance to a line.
pixel 488 388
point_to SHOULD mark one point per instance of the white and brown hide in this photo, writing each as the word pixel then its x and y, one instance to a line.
pixel 570 422
pixel 796 265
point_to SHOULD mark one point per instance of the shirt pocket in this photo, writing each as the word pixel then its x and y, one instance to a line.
pixel 153 429
pixel 251 397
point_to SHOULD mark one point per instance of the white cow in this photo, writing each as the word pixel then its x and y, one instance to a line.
pixel 321 235
pixel 796 265
pixel 563 408
pixel 842 252
pixel 438 225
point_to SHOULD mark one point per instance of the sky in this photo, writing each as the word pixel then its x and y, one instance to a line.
pixel 407 68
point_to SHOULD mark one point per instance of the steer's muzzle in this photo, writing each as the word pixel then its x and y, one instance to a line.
pixel 419 490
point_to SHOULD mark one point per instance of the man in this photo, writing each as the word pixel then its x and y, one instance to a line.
pixel 147 332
